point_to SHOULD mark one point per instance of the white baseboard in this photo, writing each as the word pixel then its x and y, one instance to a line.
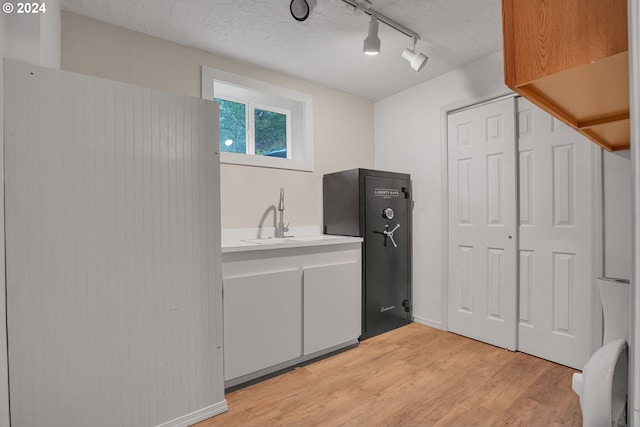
pixel 427 322
pixel 197 416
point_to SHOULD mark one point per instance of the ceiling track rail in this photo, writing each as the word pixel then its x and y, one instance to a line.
pixel 382 18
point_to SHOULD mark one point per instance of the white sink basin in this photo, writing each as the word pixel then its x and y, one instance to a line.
pixel 269 240
pixel 315 238
pixel 293 239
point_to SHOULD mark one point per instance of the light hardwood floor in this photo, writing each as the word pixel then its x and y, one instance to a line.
pixel 412 376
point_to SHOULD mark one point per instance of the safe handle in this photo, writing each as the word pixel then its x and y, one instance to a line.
pixel 389 234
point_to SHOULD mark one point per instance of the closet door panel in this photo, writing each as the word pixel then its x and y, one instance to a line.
pixel 482 223
pixel 556 278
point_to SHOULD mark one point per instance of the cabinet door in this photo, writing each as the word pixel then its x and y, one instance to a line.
pixel 262 321
pixel 332 305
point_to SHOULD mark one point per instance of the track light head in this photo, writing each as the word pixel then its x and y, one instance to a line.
pixel 417 60
pixel 371 44
pixel 301 9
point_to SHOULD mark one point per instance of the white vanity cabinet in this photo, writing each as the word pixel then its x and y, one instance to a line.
pixel 284 306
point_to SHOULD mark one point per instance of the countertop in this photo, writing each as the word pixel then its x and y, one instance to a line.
pixel 244 245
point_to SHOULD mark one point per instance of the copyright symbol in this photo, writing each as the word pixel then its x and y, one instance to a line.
pixel 7 8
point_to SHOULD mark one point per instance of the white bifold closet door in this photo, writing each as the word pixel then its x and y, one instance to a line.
pixel 482 223
pixel 557 277
pixel 112 249
pixel 527 287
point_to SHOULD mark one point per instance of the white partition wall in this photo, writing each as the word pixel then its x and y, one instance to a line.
pixel 113 252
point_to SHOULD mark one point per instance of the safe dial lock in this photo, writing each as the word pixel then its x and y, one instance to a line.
pixel 388 213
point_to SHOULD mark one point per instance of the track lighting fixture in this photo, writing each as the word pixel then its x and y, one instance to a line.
pixel 371 44
pixel 301 9
pixel 417 60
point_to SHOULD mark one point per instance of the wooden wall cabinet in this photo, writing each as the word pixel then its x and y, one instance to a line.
pixel 569 57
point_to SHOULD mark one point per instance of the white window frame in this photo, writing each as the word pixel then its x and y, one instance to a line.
pixel 257 94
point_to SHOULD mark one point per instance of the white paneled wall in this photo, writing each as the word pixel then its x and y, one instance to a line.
pixel 113 259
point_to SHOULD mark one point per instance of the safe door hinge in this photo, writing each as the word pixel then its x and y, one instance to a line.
pixel 407 193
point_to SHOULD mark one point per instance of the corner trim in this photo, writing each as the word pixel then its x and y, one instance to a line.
pixel 633 8
pixel 597 243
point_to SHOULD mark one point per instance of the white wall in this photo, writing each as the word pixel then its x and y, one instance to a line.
pixel 34 39
pixel 408 139
pixel 50 23
pixel 617 214
pixel 343 124
pixel 23 38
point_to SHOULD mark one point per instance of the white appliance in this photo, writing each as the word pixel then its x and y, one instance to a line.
pixel 603 383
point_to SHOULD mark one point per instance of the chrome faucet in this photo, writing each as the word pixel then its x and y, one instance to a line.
pixel 280 228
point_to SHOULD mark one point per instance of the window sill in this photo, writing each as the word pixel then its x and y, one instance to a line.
pixel 266 162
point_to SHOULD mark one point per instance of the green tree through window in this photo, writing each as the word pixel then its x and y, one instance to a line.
pixel 233 126
pixel 271 133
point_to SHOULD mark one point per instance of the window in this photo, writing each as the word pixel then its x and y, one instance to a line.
pixel 260 124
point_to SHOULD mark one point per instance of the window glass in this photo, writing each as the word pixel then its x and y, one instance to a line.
pixel 233 126
pixel 270 133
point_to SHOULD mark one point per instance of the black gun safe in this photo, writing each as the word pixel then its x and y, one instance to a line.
pixel 376 206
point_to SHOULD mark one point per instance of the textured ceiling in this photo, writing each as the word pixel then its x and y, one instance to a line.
pixel 327 47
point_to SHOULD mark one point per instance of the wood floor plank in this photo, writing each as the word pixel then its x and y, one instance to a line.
pixel 411 376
